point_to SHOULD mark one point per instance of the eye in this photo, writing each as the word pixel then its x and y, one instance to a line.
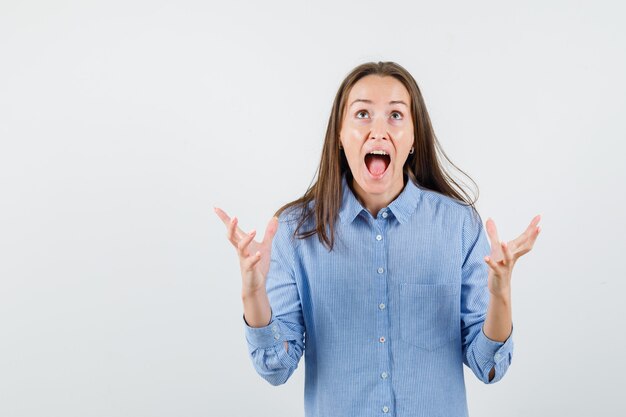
pixel 396 115
pixel 361 112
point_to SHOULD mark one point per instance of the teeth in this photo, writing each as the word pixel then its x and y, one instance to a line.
pixel 381 152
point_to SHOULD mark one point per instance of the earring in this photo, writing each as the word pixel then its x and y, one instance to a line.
pixel 412 150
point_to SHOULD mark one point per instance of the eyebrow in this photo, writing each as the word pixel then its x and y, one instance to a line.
pixel 361 100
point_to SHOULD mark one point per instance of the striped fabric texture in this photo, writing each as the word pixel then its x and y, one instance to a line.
pixel 386 319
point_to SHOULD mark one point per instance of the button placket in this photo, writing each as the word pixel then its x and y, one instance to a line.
pixel 382 320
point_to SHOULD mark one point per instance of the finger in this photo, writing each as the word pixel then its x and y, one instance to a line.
pixel 492 232
pixel 532 227
pixel 533 235
pixel 222 215
pixel 535 221
pixel 242 246
pixel 508 256
pixel 251 261
pixel 227 220
pixel 232 232
pixel 529 242
pixel 270 231
pixel 492 264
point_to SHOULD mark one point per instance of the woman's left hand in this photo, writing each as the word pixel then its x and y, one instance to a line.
pixel 504 255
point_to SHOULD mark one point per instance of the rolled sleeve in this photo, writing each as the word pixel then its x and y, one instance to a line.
pixel 262 337
pixel 493 350
pixel 267 336
pixel 490 353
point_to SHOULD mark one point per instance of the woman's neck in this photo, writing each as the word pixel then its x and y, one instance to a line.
pixel 375 202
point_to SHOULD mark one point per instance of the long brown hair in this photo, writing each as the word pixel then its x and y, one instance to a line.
pixel 423 167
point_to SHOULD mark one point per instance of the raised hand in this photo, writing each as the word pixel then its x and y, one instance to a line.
pixel 504 255
pixel 254 256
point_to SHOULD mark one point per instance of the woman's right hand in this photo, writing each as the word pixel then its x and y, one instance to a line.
pixel 254 257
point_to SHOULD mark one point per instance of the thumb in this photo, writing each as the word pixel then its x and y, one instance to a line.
pixel 270 230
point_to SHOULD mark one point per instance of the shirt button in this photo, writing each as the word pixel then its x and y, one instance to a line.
pixel 381 270
pixel 276 336
pixel 498 356
pixel 385 409
pixel 381 306
pixel 385 214
pixel 379 237
pixel 384 375
pixel 382 339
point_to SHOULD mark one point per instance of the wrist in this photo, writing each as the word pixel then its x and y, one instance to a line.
pixel 250 293
pixel 502 296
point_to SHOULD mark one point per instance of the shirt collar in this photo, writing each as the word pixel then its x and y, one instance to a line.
pixel 402 207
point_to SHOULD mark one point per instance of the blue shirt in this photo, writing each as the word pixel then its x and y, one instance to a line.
pixel 388 317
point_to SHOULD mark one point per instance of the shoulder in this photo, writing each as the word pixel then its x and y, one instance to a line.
pixel 293 220
pixel 452 207
pixel 442 201
pixel 292 215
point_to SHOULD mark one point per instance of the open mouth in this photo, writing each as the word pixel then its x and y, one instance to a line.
pixel 377 163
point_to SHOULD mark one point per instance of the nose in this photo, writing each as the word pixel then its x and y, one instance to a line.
pixel 379 129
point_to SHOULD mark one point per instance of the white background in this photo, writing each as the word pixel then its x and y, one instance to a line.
pixel 123 124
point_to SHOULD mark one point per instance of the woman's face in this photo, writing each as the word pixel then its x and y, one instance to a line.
pixel 377 119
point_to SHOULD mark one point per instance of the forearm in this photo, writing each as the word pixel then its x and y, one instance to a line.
pixel 498 324
pixel 256 308
pixel 496 330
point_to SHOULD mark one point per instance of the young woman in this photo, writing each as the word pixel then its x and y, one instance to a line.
pixel 381 274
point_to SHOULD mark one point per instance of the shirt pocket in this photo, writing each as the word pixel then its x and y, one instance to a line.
pixel 428 314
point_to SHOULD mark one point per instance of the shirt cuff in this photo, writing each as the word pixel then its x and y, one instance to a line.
pixel 492 350
pixel 263 337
